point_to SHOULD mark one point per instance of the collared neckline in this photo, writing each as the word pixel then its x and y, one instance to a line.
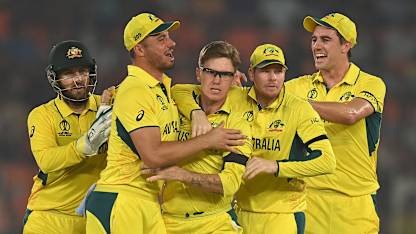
pixel 275 104
pixel 349 78
pixel 146 77
pixel 65 110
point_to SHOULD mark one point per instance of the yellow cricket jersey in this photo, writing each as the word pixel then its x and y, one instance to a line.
pixel 355 146
pixel 141 101
pixel 64 174
pixel 181 199
pixel 289 131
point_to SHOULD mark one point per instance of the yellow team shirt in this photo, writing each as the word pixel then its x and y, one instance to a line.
pixel 183 200
pixel 141 101
pixel 355 146
pixel 289 131
pixel 64 174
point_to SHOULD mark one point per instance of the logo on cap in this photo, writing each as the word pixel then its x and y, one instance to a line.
pixel 74 52
pixel 270 51
pixel 153 17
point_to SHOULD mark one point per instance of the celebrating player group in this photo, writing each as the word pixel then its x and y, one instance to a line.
pixel 276 157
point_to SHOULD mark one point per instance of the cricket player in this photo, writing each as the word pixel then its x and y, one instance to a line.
pixel 350 101
pixel 65 138
pixel 145 125
pixel 198 195
pixel 289 143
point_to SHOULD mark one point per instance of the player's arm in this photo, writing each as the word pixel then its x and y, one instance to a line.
pixel 369 99
pixel 344 113
pixel 156 153
pixel 185 96
pixel 319 158
pixel 228 180
pixel 225 183
pixel 48 154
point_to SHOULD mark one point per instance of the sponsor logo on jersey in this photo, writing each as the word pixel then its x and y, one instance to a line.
pixel 65 127
pixel 313 93
pixel 348 96
pixel 269 144
pixel 140 115
pixel 276 126
pixel 32 131
pixel 162 102
pixel 249 116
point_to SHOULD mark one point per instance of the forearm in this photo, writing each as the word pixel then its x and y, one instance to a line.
pixel 207 182
pixel 170 153
pixel 57 158
pixel 336 112
pixel 319 161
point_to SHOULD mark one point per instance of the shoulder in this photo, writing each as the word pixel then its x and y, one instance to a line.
pixel 42 110
pixel 365 77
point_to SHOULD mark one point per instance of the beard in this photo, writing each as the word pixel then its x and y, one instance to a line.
pixel 76 94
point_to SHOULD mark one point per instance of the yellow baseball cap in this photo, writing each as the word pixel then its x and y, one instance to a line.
pixel 337 21
pixel 143 25
pixel 267 54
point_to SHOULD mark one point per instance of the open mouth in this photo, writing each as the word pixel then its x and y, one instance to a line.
pixel 170 55
pixel 320 56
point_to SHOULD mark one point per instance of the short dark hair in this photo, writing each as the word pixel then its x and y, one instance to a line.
pixel 132 53
pixel 342 41
pixel 219 49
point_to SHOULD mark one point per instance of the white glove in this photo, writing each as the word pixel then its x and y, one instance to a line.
pixel 89 143
pixel 101 109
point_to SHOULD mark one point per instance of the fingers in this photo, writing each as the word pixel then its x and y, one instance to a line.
pixel 155 178
pixel 107 95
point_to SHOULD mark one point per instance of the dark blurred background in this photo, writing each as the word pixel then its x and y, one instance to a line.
pixel 386 37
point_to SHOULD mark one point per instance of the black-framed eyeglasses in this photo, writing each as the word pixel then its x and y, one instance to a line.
pixel 214 73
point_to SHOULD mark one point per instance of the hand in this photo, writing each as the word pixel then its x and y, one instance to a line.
pixel 221 138
pixel 256 165
pixel 200 123
pixel 239 77
pixel 168 174
pixel 89 143
pixel 106 99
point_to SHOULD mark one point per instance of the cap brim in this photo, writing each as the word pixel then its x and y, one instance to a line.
pixel 167 26
pixel 269 62
pixel 309 23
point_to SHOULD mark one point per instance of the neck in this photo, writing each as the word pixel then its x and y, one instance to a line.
pixel 77 107
pixel 335 75
pixel 156 73
pixel 265 101
pixel 211 107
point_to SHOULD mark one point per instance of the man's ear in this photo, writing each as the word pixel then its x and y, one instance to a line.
pixel 198 74
pixel 346 47
pixel 251 73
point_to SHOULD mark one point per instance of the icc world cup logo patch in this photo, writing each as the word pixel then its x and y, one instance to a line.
pixel 65 127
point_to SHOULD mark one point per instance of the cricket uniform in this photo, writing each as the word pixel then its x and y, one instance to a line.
pixel 189 209
pixel 298 142
pixel 123 202
pixel 64 174
pixel 341 202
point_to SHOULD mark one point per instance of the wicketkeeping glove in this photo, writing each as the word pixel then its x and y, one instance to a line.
pixel 89 143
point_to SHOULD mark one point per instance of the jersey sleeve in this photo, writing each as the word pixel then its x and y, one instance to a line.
pixel 312 154
pixel 48 155
pixel 134 111
pixel 185 98
pixel 373 90
pixel 234 164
